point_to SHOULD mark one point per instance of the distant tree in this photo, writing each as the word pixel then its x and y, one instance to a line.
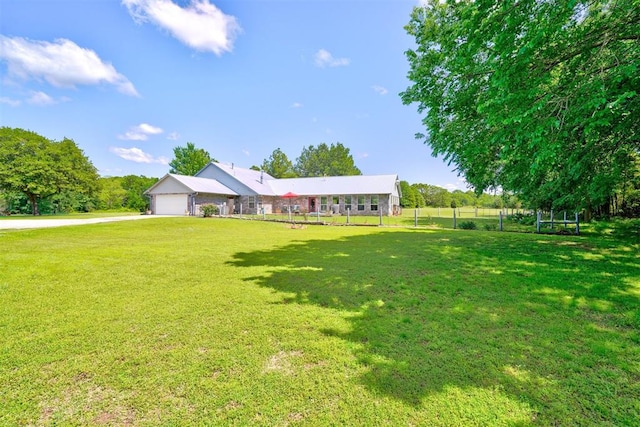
pixel 324 160
pixel 408 199
pixel 417 195
pixel 278 165
pixel 135 186
pixel 111 195
pixel 255 168
pixel 189 160
pixel 127 192
pixel 40 168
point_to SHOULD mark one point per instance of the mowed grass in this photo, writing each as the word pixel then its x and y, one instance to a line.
pixel 176 321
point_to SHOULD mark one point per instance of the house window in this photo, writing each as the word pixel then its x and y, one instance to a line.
pixel 252 202
pixel 374 202
pixel 360 203
pixel 336 200
pixel 323 203
pixel 347 203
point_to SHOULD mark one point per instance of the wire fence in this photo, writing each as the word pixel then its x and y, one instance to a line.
pixel 485 219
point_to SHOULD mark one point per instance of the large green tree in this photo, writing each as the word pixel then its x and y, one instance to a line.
pixel 40 168
pixel 325 160
pixel 189 160
pixel 539 97
pixel 278 165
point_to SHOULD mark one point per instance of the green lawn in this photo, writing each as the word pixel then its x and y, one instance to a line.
pixel 175 321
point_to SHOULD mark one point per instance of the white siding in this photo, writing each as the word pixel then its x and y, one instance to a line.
pixel 171 204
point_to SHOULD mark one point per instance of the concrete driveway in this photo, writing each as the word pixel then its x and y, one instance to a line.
pixel 18 224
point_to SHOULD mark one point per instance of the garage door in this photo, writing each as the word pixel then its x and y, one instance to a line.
pixel 171 204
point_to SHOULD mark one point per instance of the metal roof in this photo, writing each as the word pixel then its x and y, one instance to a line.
pixel 255 180
pixel 196 185
pixel 334 185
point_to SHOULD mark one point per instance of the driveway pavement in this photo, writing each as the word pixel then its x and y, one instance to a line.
pixel 17 224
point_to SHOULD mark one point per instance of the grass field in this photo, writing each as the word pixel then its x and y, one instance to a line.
pixel 176 321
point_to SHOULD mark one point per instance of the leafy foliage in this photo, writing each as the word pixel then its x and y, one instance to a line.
pixel 324 160
pixel 189 160
pixel 40 168
pixel 278 165
pixel 539 97
pixel 209 210
pixel 467 225
pixel 125 192
pixel 408 199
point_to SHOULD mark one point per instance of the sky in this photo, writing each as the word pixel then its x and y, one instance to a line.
pixel 129 80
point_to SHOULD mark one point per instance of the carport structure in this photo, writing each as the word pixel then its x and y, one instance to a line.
pixel 183 195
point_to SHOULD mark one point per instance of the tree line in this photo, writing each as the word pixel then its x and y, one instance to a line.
pixel 423 195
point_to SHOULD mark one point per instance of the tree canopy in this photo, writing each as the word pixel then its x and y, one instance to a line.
pixel 39 168
pixel 189 160
pixel 278 165
pixel 539 97
pixel 324 160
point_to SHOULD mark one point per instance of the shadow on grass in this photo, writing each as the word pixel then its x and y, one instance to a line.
pixel 550 321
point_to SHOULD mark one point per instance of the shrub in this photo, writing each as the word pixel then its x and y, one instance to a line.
pixel 522 218
pixel 209 210
pixel 468 225
pixel 491 227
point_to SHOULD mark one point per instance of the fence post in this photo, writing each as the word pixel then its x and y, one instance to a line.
pixel 348 214
pixel 454 218
pixel 577 223
pixel 538 222
pixel 476 212
pixel 500 220
pixel 415 217
pixel 240 210
pixel 552 219
pixel 380 214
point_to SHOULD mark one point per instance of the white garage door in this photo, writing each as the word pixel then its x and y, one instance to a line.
pixel 171 204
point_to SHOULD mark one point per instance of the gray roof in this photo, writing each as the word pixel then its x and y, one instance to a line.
pixel 196 185
pixel 255 180
pixel 333 185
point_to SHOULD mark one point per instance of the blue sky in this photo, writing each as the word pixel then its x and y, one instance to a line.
pixel 130 80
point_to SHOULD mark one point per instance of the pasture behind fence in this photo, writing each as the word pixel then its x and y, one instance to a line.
pixel 487 219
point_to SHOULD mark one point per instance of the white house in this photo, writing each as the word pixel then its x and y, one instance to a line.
pixel 248 191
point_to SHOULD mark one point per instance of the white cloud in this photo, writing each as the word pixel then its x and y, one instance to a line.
pixel 61 63
pixel 173 136
pixel 137 155
pixel 296 105
pixel 140 132
pixel 9 101
pixel 380 90
pixel 324 58
pixel 461 184
pixel 200 25
pixel 40 98
pixel 246 152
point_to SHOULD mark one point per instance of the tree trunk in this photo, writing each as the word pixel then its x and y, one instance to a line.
pixel 33 199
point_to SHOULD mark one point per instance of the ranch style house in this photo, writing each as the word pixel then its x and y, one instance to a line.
pixel 246 191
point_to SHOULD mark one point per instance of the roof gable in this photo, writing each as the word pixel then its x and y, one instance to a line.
pixel 235 178
pixel 174 183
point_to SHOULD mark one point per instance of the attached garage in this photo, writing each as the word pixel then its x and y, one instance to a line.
pixel 172 204
pixel 179 194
